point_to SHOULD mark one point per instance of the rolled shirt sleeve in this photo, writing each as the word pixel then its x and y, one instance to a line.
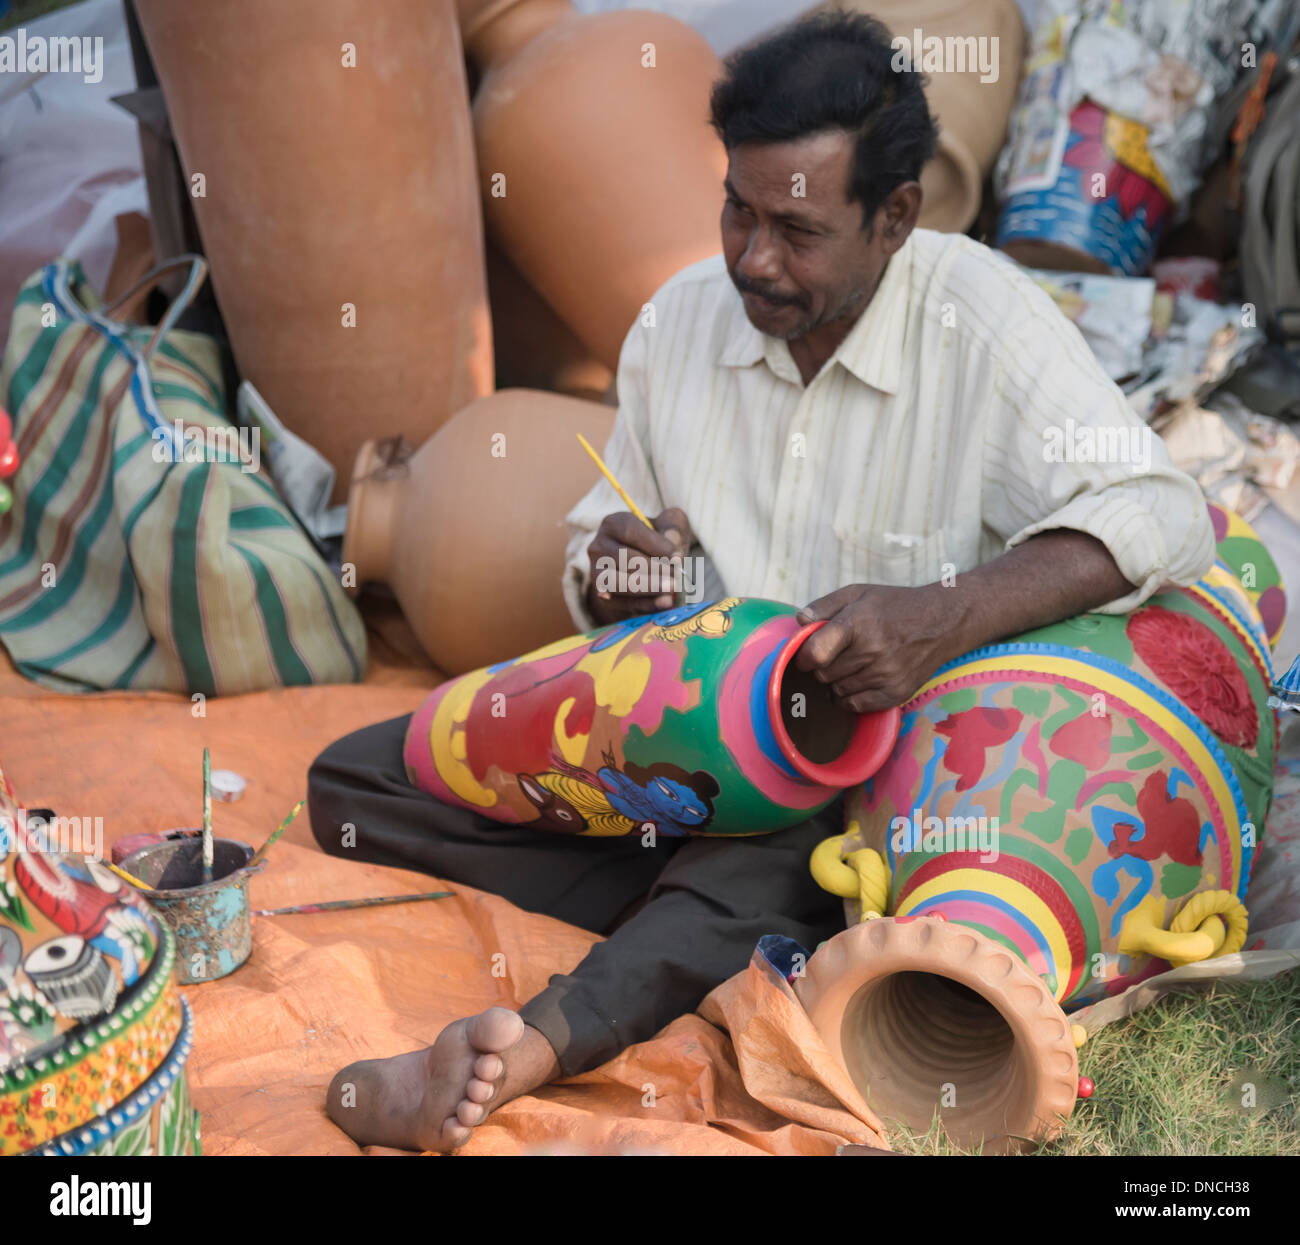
pixel 1064 450
pixel 627 455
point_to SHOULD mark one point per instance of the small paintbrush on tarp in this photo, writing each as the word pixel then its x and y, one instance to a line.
pixel 338 905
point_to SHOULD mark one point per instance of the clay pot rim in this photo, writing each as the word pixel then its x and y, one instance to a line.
pixel 842 966
pixel 873 737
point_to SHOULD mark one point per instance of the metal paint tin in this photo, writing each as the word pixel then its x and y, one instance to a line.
pixel 210 919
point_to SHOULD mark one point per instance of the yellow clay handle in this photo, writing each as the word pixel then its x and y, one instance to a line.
pixel 1211 923
pixel 862 874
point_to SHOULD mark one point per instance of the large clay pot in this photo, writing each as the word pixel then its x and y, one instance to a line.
pixel 469 531
pixel 690 721
pixel 612 176
pixel 93 1033
pixel 972 114
pixel 332 185
pixel 1081 805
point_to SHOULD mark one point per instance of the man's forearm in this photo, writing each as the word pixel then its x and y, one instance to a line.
pixel 1052 576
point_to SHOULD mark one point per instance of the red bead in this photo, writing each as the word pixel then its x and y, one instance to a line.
pixel 938 916
pixel 1086 1087
pixel 8 460
pixel 6 427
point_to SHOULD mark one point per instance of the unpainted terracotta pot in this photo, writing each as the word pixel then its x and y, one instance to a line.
pixel 612 176
pixel 535 349
pixel 470 532
pixel 972 114
pixel 329 185
pixel 927 1016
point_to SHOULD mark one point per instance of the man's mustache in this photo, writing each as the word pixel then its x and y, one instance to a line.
pixel 783 300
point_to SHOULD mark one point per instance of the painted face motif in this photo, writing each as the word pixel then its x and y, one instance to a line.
pixel 73 975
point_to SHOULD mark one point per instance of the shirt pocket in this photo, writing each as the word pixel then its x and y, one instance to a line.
pixel 898 559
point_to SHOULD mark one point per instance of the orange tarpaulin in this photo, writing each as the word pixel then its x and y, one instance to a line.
pixel 747 1075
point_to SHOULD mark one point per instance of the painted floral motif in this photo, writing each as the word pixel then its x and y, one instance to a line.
pixel 970 735
pixel 1198 668
pixel 1085 739
pixel 1169 826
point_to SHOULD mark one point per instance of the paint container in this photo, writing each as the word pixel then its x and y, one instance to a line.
pixel 210 919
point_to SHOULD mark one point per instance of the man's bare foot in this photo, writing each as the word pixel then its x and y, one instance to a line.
pixel 430 1099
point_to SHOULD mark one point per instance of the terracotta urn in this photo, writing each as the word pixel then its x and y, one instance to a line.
pixel 94 1035
pixel 1065 814
pixel 691 721
pixel 971 104
pixel 469 531
pixel 331 168
pixel 600 175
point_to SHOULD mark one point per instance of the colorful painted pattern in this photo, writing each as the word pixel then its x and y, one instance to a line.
pixel 93 1033
pixel 157 1119
pixel 1104 760
pixel 573 737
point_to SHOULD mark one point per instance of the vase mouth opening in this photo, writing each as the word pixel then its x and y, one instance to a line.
pixel 824 743
pixel 925 1048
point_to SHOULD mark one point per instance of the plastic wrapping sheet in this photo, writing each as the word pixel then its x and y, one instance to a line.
pixel 70 160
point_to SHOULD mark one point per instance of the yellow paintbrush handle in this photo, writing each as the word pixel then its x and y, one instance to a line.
pixel 618 488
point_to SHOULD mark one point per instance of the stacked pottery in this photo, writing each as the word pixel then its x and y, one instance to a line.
pixel 93 1033
pixel 469 531
pixel 695 720
pixel 600 175
pixel 1065 814
pixel 331 167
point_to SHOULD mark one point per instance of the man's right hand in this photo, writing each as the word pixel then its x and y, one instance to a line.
pixel 607 595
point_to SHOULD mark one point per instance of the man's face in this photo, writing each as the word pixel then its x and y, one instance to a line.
pixel 794 245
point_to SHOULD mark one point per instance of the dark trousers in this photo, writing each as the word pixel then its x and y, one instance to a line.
pixel 708 900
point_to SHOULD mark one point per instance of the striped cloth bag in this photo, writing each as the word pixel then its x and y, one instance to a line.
pixel 143 550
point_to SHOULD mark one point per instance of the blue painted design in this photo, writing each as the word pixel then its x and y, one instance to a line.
pixel 760 719
pixel 98 1132
pixel 1105 883
pixel 672 806
pixel 935 903
pixel 1159 695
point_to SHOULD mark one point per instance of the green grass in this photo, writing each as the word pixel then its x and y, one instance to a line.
pixel 1170 1079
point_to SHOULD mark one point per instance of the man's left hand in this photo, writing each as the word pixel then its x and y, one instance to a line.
pixel 880 644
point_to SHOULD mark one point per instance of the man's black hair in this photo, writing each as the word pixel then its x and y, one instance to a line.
pixel 832 71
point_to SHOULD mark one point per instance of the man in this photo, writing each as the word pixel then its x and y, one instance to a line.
pixel 840 410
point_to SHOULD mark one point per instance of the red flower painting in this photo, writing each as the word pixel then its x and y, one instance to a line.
pixel 1198 668
pixel 1085 739
pixel 970 734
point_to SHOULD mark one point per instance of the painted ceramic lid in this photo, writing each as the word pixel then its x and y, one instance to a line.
pixel 83 961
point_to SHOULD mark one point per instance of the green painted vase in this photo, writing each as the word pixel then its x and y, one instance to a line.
pixel 1064 815
pixel 690 721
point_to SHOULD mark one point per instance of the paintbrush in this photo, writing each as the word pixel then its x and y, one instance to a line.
pixel 207 816
pixel 280 829
pixel 127 877
pixel 618 488
pixel 338 905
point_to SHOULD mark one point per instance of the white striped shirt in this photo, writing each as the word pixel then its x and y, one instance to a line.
pixel 951 423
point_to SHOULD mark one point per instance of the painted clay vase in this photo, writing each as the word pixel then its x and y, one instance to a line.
pixel 694 720
pixel 93 1033
pixel 972 113
pixel 469 531
pixel 339 210
pixel 600 175
pixel 1065 814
